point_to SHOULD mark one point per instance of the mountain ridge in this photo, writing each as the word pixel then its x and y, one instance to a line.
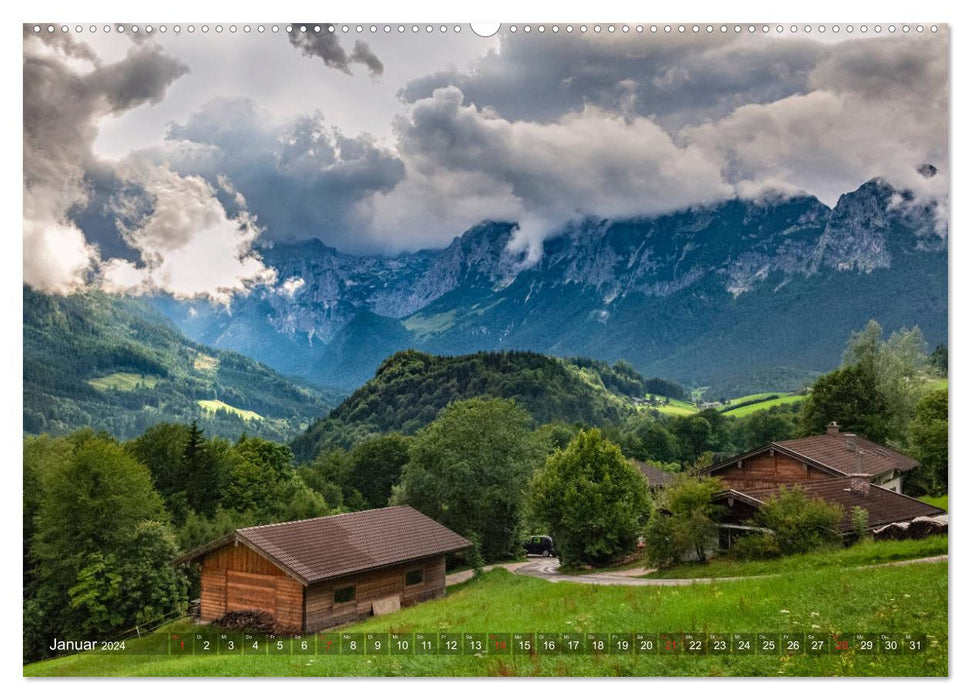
pixel 637 289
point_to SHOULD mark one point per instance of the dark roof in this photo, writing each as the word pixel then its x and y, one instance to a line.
pixel 883 506
pixel 838 454
pixel 850 454
pixel 654 476
pixel 338 545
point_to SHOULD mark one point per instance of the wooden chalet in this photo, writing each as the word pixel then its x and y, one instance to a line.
pixel 318 573
pixel 840 468
pixel 828 456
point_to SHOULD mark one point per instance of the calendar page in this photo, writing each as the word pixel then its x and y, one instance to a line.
pixel 519 349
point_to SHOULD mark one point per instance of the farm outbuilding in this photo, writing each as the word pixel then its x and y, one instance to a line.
pixel 882 505
pixel 318 573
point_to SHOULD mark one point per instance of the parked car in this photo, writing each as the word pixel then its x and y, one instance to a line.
pixel 540 544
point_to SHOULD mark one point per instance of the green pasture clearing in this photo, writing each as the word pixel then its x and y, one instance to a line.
pixel 429 325
pixel 763 405
pixel 124 381
pixel 212 405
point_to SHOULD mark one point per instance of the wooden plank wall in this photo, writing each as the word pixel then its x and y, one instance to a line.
pixel 766 470
pixel 237 578
pixel 322 612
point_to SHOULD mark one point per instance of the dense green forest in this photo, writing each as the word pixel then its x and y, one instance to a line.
pixel 113 363
pixel 410 388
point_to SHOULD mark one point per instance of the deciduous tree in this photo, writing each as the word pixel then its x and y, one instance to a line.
pixel 593 499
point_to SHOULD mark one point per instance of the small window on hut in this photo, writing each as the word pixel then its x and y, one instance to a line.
pixel 414 577
pixel 344 595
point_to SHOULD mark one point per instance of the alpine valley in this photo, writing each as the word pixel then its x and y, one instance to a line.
pixel 740 296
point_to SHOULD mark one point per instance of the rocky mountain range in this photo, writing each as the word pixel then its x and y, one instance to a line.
pixel 741 295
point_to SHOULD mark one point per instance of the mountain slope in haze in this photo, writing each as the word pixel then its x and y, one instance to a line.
pixel 732 295
pixel 116 364
pixel 411 387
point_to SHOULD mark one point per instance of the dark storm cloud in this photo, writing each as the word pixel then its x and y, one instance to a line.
pixel 678 79
pixel 363 54
pixel 325 45
pixel 302 177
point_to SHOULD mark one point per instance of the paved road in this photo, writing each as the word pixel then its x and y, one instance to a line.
pixel 548 568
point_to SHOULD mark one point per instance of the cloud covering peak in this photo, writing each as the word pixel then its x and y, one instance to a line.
pixel 541 130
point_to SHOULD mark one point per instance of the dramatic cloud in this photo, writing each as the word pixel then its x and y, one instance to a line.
pixel 876 108
pixel 188 246
pixel 673 79
pixel 291 286
pixel 66 91
pixel 325 46
pixel 588 163
pixel 541 130
pixel 162 231
pixel 304 178
pixel 630 127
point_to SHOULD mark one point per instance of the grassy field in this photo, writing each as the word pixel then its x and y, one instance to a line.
pixel 763 396
pixel 124 381
pixel 212 406
pixel 761 405
pixel 910 599
pixel 939 501
pixel 429 325
pixel 862 554
pixel 205 363
pixel 676 407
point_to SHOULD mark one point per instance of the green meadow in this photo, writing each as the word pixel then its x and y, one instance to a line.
pixel 124 381
pixel 213 405
pixel 766 403
pixel 893 600
pixel 863 554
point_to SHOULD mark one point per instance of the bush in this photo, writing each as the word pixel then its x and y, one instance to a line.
pixel 800 523
pixel 684 521
pixel 861 519
pixel 759 545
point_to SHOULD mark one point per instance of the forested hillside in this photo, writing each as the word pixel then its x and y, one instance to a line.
pixel 410 388
pixel 115 364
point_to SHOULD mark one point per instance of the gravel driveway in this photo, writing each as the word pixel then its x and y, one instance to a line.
pixel 548 568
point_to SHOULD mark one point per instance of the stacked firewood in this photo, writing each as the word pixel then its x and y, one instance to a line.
pixel 916 529
pixel 256 621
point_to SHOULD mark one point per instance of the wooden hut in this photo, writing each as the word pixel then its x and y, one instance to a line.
pixel 318 573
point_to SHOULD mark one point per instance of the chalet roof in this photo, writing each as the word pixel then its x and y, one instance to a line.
pixel 837 453
pixel 339 545
pixel 655 477
pixel 850 454
pixel 882 505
